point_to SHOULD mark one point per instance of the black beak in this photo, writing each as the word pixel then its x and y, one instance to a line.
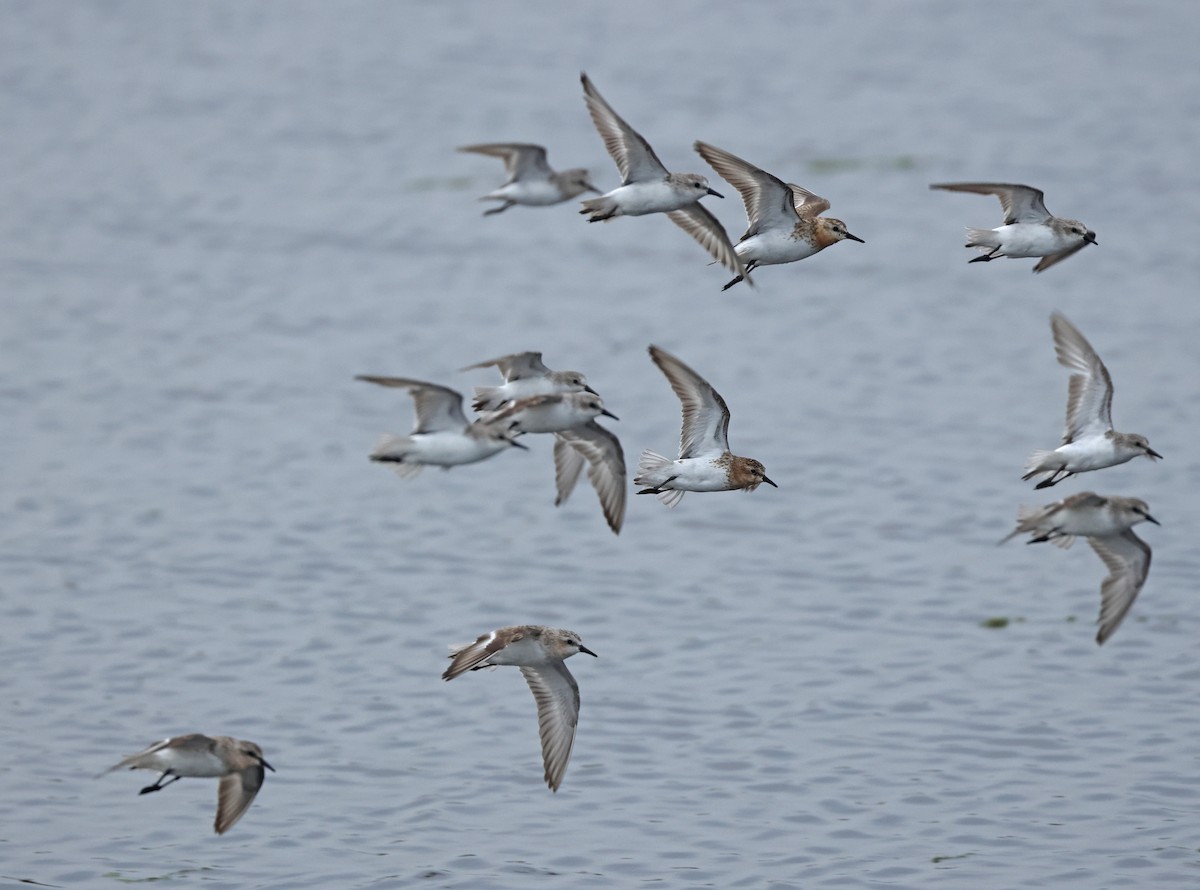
pixel 855 238
pixel 267 765
pixel 587 388
pixel 1150 518
pixel 608 413
pixel 1090 238
pixel 769 482
pixel 588 187
pixel 583 648
pixel 515 444
pixel 718 194
pixel 1150 452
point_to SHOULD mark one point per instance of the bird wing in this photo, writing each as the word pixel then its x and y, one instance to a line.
pixel 557 697
pixel 769 201
pixel 235 793
pixel 633 155
pixel 1051 258
pixel 568 464
pixel 473 655
pixel 132 761
pixel 517 366
pixel 703 226
pixel 1090 389
pixel 148 757
pixel 438 408
pixel 522 160
pixel 1128 560
pixel 705 414
pixel 808 205
pixel 1021 203
pixel 606 468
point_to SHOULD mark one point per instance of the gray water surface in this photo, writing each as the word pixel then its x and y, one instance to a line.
pixel 212 216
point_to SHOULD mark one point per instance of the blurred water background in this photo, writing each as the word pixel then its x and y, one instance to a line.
pixel 213 215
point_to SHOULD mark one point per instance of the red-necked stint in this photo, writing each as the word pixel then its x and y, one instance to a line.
pixel 1029 229
pixel 705 462
pixel 525 374
pixel 1089 441
pixel 1106 521
pixel 539 652
pixel 442 435
pixel 785 224
pixel 531 181
pixel 238 764
pixel 647 187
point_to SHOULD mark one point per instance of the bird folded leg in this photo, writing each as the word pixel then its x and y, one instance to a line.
pixel 1057 476
pixel 160 784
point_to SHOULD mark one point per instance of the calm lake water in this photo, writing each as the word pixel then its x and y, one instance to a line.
pixel 212 216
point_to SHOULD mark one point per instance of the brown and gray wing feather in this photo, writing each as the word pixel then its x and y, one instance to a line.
pixel 474 655
pixel 568 464
pixel 633 155
pixel 769 201
pixel 606 468
pixel 1128 560
pixel 1021 203
pixel 517 366
pixel 704 227
pixel 1090 389
pixel 705 414
pixel 438 408
pixel 808 205
pixel 1052 258
pixel 235 793
pixel 557 697
pixel 522 160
